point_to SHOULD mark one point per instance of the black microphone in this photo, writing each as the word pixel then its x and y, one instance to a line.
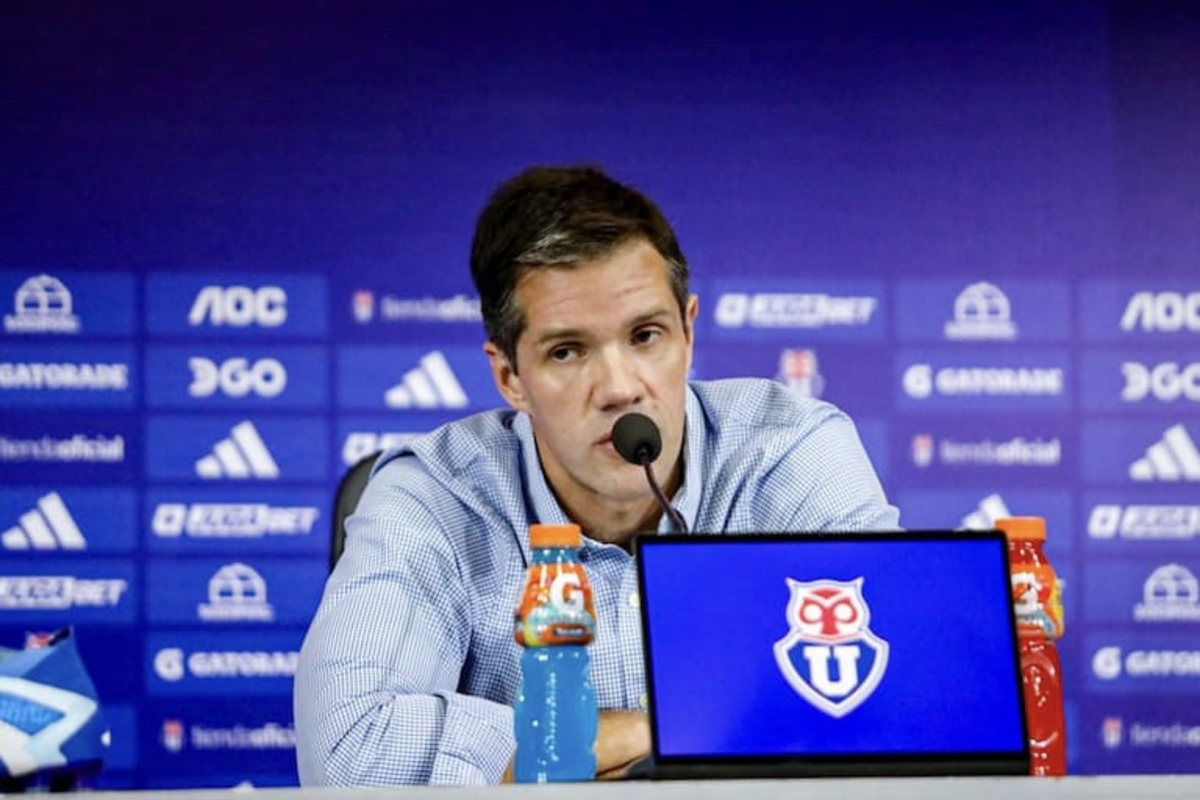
pixel 636 438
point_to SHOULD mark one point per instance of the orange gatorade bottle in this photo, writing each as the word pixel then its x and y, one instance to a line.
pixel 1037 599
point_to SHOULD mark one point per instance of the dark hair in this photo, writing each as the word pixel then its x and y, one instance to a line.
pixel 559 216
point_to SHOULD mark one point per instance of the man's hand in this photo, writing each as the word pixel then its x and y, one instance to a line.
pixel 622 738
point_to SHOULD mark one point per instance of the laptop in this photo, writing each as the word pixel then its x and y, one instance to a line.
pixel 833 654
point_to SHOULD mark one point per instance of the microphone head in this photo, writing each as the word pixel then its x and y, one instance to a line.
pixel 636 438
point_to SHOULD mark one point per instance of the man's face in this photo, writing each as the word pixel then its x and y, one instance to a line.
pixel 601 339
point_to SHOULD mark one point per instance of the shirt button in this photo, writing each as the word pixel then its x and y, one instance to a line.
pixel 644 702
pixel 634 600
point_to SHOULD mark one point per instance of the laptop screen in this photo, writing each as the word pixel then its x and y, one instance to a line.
pixel 894 650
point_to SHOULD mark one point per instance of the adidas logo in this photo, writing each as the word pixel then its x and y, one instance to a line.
pixel 430 385
pixel 1172 458
pixel 242 455
pixel 991 508
pixel 48 527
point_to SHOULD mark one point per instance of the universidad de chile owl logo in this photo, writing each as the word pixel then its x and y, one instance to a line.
pixel 830 656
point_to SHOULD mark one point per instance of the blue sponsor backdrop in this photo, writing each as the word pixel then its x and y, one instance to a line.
pixel 254 591
pixel 42 376
pixel 242 448
pixel 51 520
pixel 207 521
pixel 272 233
pixel 245 376
pixel 181 662
pixel 69 303
pixel 242 304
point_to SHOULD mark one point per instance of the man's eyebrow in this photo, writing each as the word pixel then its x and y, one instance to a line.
pixel 566 333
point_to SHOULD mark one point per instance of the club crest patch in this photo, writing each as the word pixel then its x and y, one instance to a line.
pixel 829 655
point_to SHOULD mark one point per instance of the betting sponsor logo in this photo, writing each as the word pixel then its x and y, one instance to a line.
pixel 1016 452
pixel 800 372
pixel 981 311
pixel 830 656
pixel 783 310
pixel 1168 312
pixel 432 384
pixel 42 304
pixel 241 456
pixel 58 592
pixel 1172 458
pixel 239 306
pixel 360 444
pixel 1170 594
pixel 231 520
pixel 1111 662
pixel 49 526
pixel 177 736
pixel 236 593
pixel 1144 521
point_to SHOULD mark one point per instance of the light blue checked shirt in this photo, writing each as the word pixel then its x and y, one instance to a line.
pixel 409 669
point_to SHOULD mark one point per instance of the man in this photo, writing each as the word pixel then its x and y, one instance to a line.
pixel 409 670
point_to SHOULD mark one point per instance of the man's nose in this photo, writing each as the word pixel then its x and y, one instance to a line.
pixel 616 381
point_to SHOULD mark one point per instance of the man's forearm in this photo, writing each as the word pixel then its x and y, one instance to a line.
pixel 622 738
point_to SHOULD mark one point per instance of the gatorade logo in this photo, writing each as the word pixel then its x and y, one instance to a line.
pixel 565 594
pixel 556 607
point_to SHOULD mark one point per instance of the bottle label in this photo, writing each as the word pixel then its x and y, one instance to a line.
pixel 556 607
pixel 1037 600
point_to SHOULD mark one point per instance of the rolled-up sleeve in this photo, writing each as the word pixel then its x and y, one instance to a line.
pixel 376 693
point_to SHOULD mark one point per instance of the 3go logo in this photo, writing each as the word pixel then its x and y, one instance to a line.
pixel 236 377
pixel 1167 381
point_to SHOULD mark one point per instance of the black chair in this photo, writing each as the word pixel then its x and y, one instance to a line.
pixel 345 500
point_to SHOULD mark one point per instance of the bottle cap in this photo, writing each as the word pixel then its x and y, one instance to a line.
pixel 1023 528
pixel 545 535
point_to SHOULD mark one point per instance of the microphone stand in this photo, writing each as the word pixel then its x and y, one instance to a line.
pixel 674 515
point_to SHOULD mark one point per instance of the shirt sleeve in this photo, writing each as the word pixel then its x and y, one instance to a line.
pixel 376 700
pixel 824 481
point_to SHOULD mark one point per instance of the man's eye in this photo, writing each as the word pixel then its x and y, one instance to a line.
pixel 563 352
pixel 646 335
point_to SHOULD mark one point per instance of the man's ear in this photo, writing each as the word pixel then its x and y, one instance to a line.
pixel 693 309
pixel 505 375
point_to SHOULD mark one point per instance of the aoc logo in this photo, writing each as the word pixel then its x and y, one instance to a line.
pixel 830 656
pixel 239 306
pixel 1169 312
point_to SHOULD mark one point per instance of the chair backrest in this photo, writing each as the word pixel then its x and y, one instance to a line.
pixel 345 500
